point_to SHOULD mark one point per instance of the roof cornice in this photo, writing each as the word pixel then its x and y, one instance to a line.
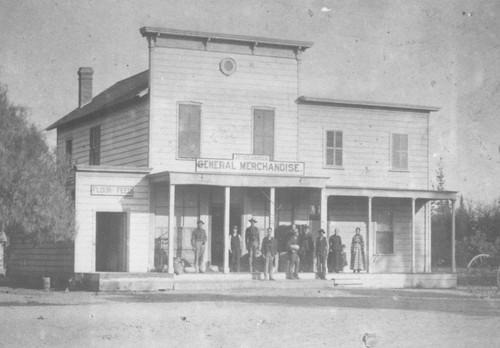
pixel 157 31
pixel 365 104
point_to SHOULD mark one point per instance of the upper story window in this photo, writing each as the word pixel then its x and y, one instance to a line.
pixel 69 152
pixel 333 148
pixel 263 132
pixel 399 152
pixel 189 130
pixel 95 146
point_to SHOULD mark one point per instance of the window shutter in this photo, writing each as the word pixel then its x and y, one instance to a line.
pixel 263 133
pixel 395 151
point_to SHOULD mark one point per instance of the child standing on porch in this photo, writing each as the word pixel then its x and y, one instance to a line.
pixel 344 259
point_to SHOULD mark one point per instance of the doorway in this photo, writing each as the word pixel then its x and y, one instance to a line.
pixel 217 228
pixel 111 242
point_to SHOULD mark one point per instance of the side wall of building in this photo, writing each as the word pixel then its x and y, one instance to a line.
pixel 136 208
pixel 124 138
pixel 29 260
pixel 366 146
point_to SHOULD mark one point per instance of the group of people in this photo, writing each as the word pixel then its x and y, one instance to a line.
pixel 330 254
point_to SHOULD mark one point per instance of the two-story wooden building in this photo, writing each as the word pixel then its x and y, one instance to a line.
pixel 216 130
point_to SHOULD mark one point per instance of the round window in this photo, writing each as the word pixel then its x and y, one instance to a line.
pixel 227 66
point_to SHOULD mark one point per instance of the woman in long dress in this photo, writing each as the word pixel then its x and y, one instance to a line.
pixel 357 252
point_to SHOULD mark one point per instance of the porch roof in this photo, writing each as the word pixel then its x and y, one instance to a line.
pixel 237 180
pixel 390 193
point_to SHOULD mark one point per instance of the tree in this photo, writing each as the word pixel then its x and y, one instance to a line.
pixel 441 223
pixel 34 201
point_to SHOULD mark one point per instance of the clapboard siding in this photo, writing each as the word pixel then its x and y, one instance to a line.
pixel 366 145
pixel 401 260
pixel 226 103
pixel 136 207
pixel 44 259
pixel 347 213
pixel 122 131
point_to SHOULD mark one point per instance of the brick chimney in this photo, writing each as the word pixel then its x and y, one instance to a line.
pixel 84 85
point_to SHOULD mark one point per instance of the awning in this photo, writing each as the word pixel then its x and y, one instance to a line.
pixel 231 180
pixel 390 193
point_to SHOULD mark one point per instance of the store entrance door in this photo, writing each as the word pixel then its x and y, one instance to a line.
pixel 111 242
pixel 217 228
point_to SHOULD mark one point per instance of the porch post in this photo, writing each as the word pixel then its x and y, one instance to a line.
pixel 171 226
pixel 453 263
pixel 272 205
pixel 227 204
pixel 426 239
pixel 324 210
pixel 370 236
pixel 413 268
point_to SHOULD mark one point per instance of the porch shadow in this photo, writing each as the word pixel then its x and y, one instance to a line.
pixel 362 299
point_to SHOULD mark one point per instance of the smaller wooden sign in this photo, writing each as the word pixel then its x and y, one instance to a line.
pixel 106 190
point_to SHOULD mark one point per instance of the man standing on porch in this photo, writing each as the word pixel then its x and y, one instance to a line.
pixel 293 255
pixel 252 240
pixel 269 251
pixel 199 241
pixel 321 254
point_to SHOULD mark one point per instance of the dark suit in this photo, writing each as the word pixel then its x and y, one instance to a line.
pixel 307 253
pixel 235 252
pixel 321 255
pixel 336 248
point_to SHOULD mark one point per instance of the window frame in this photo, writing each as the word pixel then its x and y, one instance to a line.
pixel 178 120
pixel 334 149
pixel 68 157
pixel 95 147
pixel 264 108
pixel 389 222
pixel 391 153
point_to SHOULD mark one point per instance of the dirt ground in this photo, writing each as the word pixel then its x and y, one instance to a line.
pixel 254 317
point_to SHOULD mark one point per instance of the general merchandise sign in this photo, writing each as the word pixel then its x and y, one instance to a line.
pixel 242 165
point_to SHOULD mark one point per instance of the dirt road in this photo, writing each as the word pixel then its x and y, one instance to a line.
pixel 253 317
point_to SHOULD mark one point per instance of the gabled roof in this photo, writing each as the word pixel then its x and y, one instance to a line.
pixel 134 87
pixel 365 104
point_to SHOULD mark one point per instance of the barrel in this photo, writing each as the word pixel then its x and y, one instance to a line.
pixel 46 283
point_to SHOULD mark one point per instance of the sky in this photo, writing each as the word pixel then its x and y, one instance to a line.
pixel 432 53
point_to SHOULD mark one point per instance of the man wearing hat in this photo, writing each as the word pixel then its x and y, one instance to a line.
pixel 321 254
pixel 199 241
pixel 252 241
pixel 269 251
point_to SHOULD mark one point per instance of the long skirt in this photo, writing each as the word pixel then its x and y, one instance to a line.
pixel 357 258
